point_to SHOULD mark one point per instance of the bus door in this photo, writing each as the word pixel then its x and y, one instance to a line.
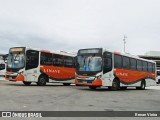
pixel 107 68
pixel 32 63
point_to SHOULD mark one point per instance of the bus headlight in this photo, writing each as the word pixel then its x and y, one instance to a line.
pixel 20 73
pixel 91 78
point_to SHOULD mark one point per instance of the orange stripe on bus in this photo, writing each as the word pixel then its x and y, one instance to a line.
pixel 132 75
pixel 20 78
pixel 58 72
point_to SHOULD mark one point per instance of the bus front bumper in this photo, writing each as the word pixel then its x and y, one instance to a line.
pixel 82 82
pixel 14 78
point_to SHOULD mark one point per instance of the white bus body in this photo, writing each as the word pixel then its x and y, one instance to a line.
pixel 97 67
pixel 40 66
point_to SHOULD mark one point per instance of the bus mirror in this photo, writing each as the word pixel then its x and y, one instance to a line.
pixel 5 61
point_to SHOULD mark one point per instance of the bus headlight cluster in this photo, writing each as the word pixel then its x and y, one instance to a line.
pixel 91 78
pixel 99 77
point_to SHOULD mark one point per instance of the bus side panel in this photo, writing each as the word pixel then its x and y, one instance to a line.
pixel 150 82
pixel 58 73
pixel 32 75
pixel 133 78
pixel 108 78
pixel 138 83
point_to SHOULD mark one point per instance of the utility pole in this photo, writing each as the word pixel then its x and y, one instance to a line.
pixel 124 39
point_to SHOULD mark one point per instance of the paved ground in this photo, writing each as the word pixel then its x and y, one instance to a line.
pixel 14 96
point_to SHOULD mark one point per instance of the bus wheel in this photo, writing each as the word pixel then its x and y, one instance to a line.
pixel 143 85
pixel 42 80
pixel 66 84
pixel 115 85
pixel 27 83
pixel 92 87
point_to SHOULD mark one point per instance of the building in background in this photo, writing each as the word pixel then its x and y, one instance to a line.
pixel 152 55
pixel 3 57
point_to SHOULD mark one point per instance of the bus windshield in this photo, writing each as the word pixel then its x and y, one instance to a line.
pixel 88 63
pixel 16 60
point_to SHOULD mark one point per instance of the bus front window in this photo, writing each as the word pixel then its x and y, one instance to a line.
pixel 89 63
pixel 16 60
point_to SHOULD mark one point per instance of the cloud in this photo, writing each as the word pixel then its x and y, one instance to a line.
pixel 73 24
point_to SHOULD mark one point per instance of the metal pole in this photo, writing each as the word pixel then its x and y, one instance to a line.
pixel 124 39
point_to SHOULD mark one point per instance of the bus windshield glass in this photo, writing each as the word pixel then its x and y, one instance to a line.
pixel 16 58
pixel 89 63
pixel 1 58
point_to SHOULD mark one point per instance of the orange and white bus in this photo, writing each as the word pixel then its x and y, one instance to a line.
pixel 2 65
pixel 31 65
pixel 97 67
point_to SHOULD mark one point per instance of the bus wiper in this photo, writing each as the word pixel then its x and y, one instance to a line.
pixel 84 62
pixel 89 60
pixel 11 57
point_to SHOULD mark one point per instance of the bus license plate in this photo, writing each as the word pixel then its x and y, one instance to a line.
pixel 85 82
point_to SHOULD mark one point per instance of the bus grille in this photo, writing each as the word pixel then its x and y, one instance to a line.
pixel 9 76
pixel 85 81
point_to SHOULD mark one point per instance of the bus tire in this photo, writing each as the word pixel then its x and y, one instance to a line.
pixel 109 88
pixel 42 80
pixel 66 84
pixel 27 83
pixel 123 88
pixel 92 87
pixel 115 85
pixel 143 85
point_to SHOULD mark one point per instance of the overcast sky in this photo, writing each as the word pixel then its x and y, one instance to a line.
pixel 73 24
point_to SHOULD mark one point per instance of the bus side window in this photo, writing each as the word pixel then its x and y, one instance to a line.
pixel 46 59
pixel 58 60
pixel 139 65
pixel 117 61
pixel 144 66
pixel 107 66
pixel 68 62
pixel 150 67
pixel 153 68
pixel 32 59
pixel 133 64
pixel 126 62
pixel 74 61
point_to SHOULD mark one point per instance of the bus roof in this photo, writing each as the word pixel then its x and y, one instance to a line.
pixel 133 56
pixel 123 54
pixel 54 52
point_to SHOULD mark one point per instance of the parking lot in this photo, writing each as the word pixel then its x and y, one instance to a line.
pixel 14 96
